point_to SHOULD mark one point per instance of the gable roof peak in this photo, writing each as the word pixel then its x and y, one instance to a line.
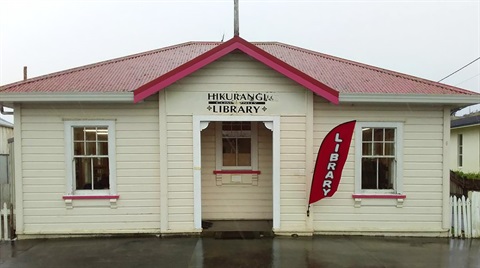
pixel 236 43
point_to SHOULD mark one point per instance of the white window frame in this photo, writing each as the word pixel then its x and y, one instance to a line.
pixel 219 149
pixel 69 157
pixel 398 183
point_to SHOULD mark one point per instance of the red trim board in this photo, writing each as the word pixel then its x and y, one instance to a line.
pixel 236 172
pixel 67 197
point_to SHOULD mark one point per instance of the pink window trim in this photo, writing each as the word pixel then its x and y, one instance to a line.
pixel 380 196
pixel 67 197
pixel 236 172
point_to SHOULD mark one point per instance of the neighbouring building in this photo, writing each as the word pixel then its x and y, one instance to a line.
pixel 160 141
pixel 465 144
pixel 6 132
pixel 6 136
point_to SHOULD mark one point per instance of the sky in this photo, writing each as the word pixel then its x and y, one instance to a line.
pixel 428 39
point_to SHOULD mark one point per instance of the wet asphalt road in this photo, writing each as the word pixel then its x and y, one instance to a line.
pixel 319 251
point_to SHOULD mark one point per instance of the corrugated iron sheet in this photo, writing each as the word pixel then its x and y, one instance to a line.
pixel 128 73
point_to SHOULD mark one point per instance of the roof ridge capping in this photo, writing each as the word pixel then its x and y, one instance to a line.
pixel 98 64
pixel 374 68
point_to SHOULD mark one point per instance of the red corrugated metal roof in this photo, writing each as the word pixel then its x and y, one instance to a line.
pixel 129 73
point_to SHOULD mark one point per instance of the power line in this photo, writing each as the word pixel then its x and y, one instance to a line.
pixel 458 70
pixel 467 79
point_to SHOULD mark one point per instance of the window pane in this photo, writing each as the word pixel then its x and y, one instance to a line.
pixel 378 173
pixel 244 152
pixel 79 148
pixel 227 126
pixel 246 125
pixel 378 148
pixel 90 133
pixel 91 148
pixel 367 149
pixel 236 125
pixel 378 134
pixel 83 173
pixel 244 160
pixel 244 145
pixel 385 173
pixel 229 160
pixel 367 134
pixel 389 134
pixel 229 152
pixel 102 148
pixel 101 173
pixel 229 145
pixel 390 149
pixel 78 134
pixel 369 173
pixel 102 134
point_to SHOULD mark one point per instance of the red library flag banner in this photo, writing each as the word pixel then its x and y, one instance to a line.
pixel 330 161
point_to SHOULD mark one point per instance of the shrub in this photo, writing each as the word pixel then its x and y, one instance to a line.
pixel 468 175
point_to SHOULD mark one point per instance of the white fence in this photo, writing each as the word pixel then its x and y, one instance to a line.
pixel 7 198
pixel 466 216
pixel 5 222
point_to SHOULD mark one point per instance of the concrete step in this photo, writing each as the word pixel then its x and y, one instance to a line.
pixel 239 229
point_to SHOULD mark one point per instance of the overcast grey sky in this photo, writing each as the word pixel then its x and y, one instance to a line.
pixel 428 39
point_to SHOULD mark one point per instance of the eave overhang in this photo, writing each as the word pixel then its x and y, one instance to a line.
pixel 457 100
pixel 466 126
pixel 236 43
pixel 9 98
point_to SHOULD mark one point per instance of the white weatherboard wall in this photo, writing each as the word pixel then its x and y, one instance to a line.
pixel 155 160
pixel 237 72
pixel 294 178
pixel 422 176
pixel 44 174
pixel 180 173
pixel 236 201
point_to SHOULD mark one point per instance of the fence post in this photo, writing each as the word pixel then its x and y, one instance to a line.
pixel 455 217
pixel 475 199
pixel 468 207
pixel 463 205
pixel 451 217
pixel 4 213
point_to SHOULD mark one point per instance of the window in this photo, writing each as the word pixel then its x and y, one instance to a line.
pixel 460 150
pixel 90 147
pixel 378 157
pixel 236 145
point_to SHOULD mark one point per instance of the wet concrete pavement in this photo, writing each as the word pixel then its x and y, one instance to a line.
pixel 319 251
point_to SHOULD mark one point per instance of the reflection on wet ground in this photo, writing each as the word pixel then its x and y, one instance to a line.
pixel 318 251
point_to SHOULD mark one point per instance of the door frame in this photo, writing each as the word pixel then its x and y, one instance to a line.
pixel 200 122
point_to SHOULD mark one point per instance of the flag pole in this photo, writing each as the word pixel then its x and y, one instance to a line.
pixel 236 26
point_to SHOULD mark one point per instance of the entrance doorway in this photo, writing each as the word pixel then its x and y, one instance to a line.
pixel 236 176
pixel 234 194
